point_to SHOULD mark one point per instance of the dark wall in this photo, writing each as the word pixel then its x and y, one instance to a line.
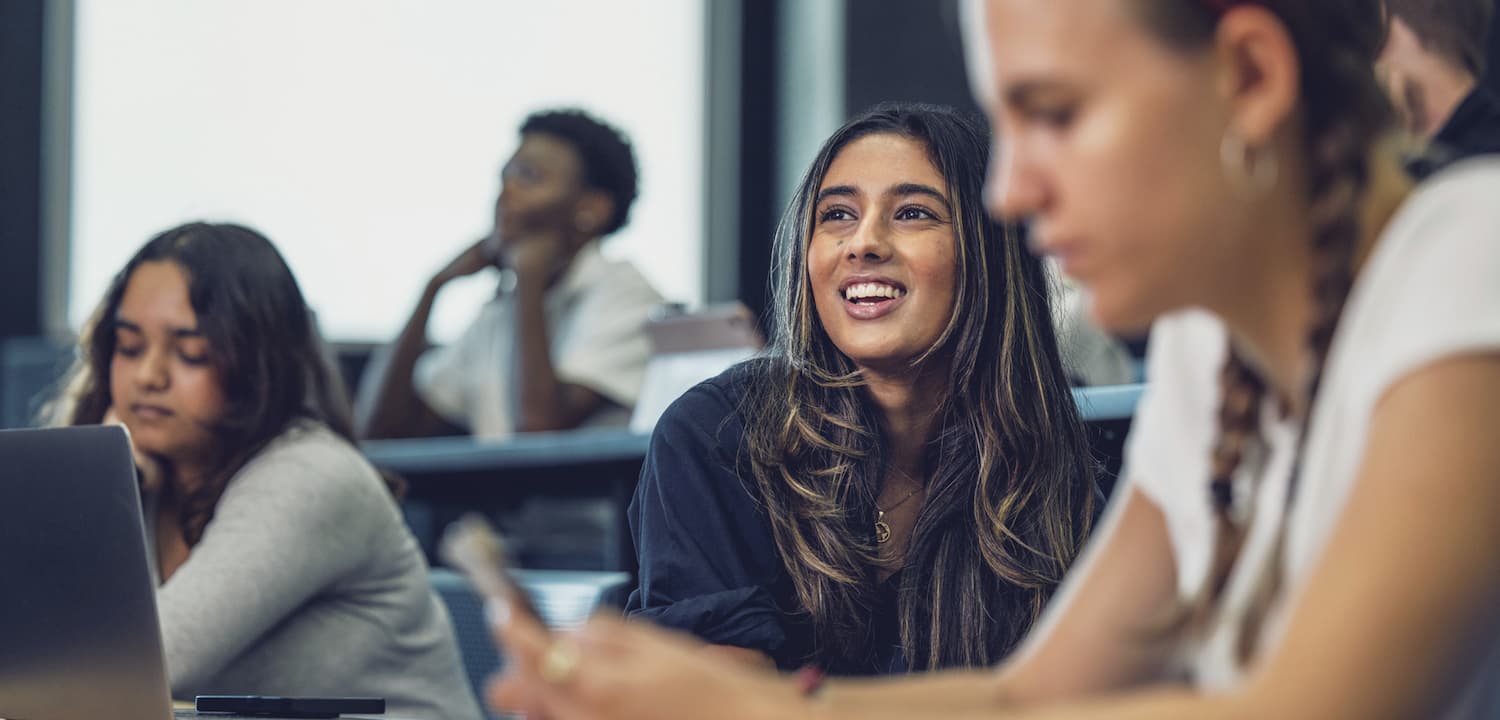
pixel 1494 72
pixel 904 50
pixel 20 167
pixel 759 134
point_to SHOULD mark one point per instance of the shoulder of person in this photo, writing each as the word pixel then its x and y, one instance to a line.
pixel 1463 195
pixel 1175 420
pixel 617 276
pixel 1438 253
pixel 1431 285
pixel 311 460
pixel 725 393
pixel 1187 348
pixel 713 412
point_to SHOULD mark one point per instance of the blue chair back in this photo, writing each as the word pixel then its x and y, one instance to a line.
pixel 475 644
pixel 29 370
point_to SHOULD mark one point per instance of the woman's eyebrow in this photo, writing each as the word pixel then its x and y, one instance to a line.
pixel 181 332
pixel 905 189
pixel 836 191
pixel 1030 91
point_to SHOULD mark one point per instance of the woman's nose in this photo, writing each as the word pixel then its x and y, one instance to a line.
pixel 870 241
pixel 152 371
pixel 1013 190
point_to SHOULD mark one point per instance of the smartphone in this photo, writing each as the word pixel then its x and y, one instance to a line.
pixel 289 707
pixel 472 546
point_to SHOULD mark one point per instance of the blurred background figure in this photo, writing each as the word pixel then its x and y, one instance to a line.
pixel 1432 66
pixel 563 343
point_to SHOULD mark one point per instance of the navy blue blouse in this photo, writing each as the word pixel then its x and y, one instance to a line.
pixel 708 562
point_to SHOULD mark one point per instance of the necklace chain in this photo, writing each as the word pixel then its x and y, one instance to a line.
pixel 900 502
pixel 904 475
pixel 883 530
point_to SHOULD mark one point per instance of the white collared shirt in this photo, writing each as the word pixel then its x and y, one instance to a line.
pixel 596 321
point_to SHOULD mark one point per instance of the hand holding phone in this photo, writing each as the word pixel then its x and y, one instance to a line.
pixel 472 546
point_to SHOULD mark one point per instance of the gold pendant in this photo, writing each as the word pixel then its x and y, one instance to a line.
pixel 882 530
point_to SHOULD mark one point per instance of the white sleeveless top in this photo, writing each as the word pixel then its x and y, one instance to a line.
pixel 1430 290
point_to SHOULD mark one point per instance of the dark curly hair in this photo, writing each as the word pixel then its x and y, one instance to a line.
pixel 608 160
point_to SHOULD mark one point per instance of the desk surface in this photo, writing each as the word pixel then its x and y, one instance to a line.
pixel 530 450
pixel 453 474
pixel 606 445
pixel 1108 402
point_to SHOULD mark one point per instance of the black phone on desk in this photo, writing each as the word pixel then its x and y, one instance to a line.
pixel 288 707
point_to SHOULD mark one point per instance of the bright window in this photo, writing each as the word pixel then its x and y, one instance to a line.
pixel 365 137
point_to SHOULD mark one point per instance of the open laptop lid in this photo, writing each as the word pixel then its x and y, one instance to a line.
pixel 79 636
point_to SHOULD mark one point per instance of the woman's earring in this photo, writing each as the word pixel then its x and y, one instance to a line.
pixel 1246 167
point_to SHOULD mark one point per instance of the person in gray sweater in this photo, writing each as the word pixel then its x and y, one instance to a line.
pixel 283 562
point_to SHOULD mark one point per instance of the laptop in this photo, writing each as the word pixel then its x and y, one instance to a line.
pixel 77 605
pixel 79 634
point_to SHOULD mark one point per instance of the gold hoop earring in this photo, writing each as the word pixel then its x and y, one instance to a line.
pixel 1246 167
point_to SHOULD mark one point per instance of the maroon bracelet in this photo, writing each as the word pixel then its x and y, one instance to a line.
pixel 810 680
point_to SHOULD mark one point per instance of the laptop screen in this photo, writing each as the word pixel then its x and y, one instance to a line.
pixel 78 617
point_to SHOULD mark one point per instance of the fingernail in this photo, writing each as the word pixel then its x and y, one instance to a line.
pixel 497 612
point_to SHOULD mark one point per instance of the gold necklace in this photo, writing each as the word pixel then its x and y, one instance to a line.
pixel 883 530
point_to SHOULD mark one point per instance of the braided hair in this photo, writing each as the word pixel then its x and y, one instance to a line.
pixel 1345 113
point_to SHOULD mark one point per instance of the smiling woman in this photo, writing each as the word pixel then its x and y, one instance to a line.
pixel 901 481
pixel 882 254
pixel 204 349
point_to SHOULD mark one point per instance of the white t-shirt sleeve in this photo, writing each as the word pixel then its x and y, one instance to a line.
pixel 1430 290
pixel 1434 285
pixel 439 382
pixel 445 376
pixel 1177 416
pixel 605 347
pixel 1169 450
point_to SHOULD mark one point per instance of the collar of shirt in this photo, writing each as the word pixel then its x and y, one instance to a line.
pixel 1472 129
pixel 582 274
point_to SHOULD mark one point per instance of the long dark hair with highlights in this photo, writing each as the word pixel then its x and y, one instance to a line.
pixel 261 340
pixel 1345 114
pixel 1010 491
